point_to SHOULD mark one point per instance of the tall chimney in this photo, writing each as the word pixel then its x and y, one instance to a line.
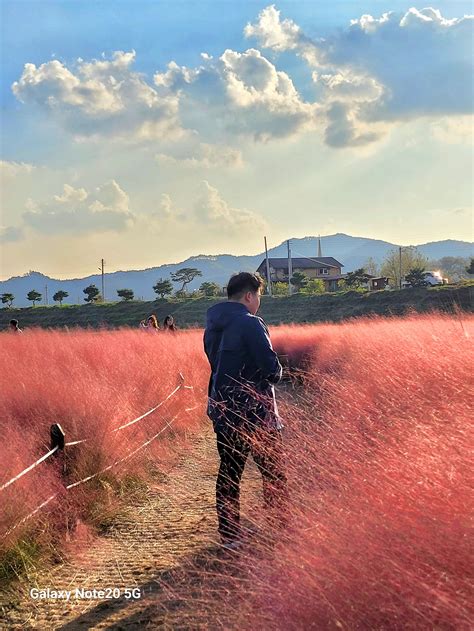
pixel 319 247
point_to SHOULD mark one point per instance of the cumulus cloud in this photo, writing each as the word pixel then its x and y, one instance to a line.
pixel 214 211
pixel 239 93
pixel 79 211
pixel 281 35
pixel 12 169
pixel 204 156
pixel 10 234
pixel 167 212
pixel 100 98
pixel 375 73
pixel 381 70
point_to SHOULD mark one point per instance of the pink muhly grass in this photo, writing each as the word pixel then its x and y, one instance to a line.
pixel 381 483
pixel 90 382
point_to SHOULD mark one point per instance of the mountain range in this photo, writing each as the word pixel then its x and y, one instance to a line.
pixel 352 252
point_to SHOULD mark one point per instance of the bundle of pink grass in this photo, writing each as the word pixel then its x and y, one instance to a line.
pixel 381 480
pixel 90 383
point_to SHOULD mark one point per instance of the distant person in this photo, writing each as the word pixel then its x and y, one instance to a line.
pixel 151 324
pixel 241 401
pixel 14 327
pixel 168 324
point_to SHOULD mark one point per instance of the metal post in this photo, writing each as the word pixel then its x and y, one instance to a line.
pixel 46 294
pixel 56 434
pixel 269 280
pixel 103 285
pixel 290 269
pixel 101 270
pixel 400 265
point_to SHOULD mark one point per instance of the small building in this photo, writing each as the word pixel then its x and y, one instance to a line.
pixel 377 282
pixel 325 268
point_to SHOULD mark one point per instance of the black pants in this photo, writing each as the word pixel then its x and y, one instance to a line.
pixel 234 446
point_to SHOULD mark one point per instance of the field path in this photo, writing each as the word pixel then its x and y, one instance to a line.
pixel 165 546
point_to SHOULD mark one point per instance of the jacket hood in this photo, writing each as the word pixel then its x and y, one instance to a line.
pixel 221 315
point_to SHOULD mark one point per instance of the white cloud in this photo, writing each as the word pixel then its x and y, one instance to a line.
pixel 377 72
pixel 238 93
pixel 455 130
pixel 204 156
pixel 12 169
pixel 213 210
pixel 380 71
pixel 100 99
pixel 281 35
pixel 79 211
pixel 167 212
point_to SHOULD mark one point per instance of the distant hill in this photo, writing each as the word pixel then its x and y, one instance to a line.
pixel 352 252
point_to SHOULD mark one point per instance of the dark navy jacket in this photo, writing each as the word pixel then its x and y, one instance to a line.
pixel 244 368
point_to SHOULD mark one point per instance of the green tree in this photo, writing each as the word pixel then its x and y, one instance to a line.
pixel 92 294
pixel 210 289
pixel 181 293
pixel 416 277
pixel 357 278
pixel 185 275
pixel 125 294
pixel 470 268
pixel 8 299
pixel 313 286
pixel 163 288
pixel 280 289
pixel 299 280
pixel 372 267
pixel 34 296
pixel 59 296
pixel 410 258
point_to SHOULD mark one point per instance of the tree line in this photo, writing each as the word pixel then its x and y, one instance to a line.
pixel 162 288
pixel 413 266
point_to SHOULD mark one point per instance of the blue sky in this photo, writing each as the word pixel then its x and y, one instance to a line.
pixel 306 124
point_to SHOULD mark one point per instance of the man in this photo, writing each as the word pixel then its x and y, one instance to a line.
pixel 241 401
pixel 14 327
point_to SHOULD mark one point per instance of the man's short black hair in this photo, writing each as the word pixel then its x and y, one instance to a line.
pixel 239 284
pixel 14 322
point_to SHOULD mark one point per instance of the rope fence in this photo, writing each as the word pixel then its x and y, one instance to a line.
pixel 58 444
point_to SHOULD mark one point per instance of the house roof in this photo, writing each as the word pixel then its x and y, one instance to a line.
pixel 304 263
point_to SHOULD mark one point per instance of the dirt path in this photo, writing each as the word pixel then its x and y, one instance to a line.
pixel 165 548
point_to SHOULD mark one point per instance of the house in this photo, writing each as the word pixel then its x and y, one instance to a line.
pixel 325 268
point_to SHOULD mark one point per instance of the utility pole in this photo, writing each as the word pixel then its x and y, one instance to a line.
pixel 46 294
pixel 290 269
pixel 269 280
pixel 400 265
pixel 101 268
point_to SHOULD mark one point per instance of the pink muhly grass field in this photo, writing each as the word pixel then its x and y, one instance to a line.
pixel 381 480
pixel 90 382
pixel 378 433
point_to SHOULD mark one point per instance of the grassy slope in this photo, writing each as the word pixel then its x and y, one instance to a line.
pixel 188 313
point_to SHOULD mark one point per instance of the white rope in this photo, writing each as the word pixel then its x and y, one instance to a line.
pixel 30 468
pixel 22 521
pixel 135 420
pixel 77 442
pixel 129 455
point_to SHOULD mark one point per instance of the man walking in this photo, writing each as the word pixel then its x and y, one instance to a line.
pixel 241 401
